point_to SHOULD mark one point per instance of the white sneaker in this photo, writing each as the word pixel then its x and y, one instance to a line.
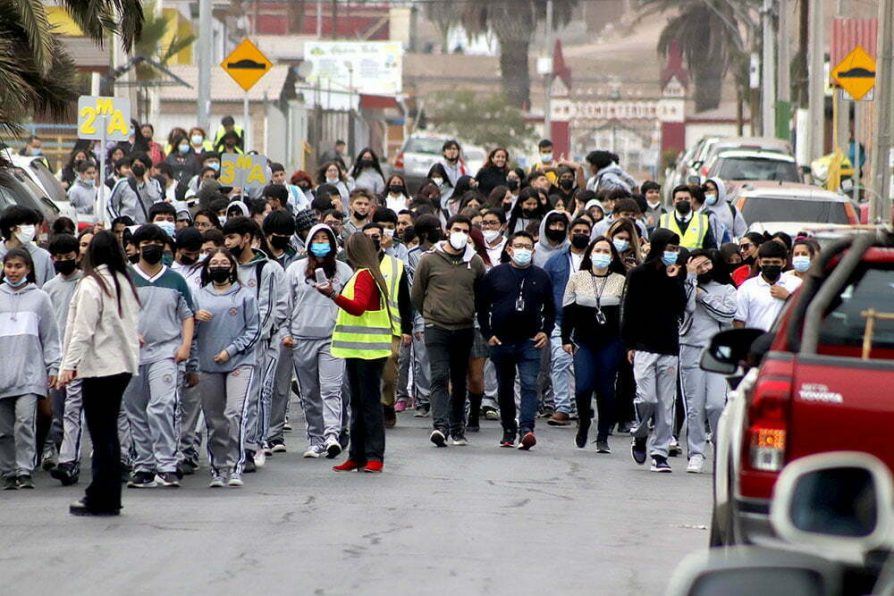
pixel 260 458
pixel 217 481
pixel 696 464
pixel 313 452
pixel 235 480
pixel 332 447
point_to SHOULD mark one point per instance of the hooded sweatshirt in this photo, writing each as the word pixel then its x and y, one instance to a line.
pixel 29 341
pixel 544 248
pixel 267 280
pixel 312 315
pixel 730 224
pixel 43 262
pixel 242 207
pixel 444 287
pixel 82 196
pixel 611 177
pixel 707 312
pixel 234 327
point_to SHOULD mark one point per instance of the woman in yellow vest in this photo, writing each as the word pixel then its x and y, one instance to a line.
pixel 362 336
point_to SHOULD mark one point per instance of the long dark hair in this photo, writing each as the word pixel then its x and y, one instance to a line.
pixel 206 277
pixel 20 253
pixel 105 250
pixel 616 266
pixel 489 163
pixel 356 169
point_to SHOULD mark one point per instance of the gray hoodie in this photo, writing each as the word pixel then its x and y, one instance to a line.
pixel 312 315
pixel 267 280
pixel 728 218
pixel 61 291
pixel 82 196
pixel 544 248
pixel 611 177
pixel 234 327
pixel 707 312
pixel 29 341
pixel 43 262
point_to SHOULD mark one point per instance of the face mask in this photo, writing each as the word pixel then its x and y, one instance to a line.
pixel 669 258
pixel 621 245
pixel 529 213
pixel 458 240
pixel 25 233
pixel 320 249
pixel 546 157
pixel 138 170
pixel 771 272
pixel 801 263
pixel 710 199
pixel 704 278
pixel 566 184
pixel 512 184
pixel 188 260
pixel 396 189
pixel 555 235
pixel 389 233
pixel 219 275
pixel 684 207
pixel 437 181
pixel 167 259
pixel 214 166
pixel 168 227
pixel 90 182
pixel 367 163
pixel 184 148
pixel 18 284
pixel 37 152
pixel 152 254
pixel 601 260
pixel 222 219
pixel 65 267
pixel 580 241
pixel 377 242
pixel 491 235
pixel 522 256
pixel 197 139
pixel 331 180
pixel 280 242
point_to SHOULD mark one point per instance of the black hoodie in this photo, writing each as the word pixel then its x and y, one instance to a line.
pixel 654 302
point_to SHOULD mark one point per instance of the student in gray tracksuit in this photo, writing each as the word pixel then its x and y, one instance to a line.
pixel 710 308
pixel 30 351
pixel 311 322
pixel 166 327
pixel 228 328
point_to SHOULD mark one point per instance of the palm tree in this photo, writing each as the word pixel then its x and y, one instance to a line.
pixel 38 75
pixel 514 24
pixel 710 35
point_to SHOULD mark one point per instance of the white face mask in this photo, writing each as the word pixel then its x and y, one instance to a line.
pixel 438 181
pixel 25 233
pixel 458 240
pixel 388 233
pixel 491 235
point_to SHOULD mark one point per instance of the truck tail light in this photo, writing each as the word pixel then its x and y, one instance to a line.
pixel 764 449
pixel 399 160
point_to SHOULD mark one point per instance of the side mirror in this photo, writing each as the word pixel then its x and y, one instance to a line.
pixel 839 503
pixel 749 570
pixel 728 349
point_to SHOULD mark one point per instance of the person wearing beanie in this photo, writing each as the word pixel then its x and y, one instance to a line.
pixel 304 221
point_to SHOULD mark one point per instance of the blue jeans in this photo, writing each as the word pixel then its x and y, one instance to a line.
pixel 596 370
pixel 526 357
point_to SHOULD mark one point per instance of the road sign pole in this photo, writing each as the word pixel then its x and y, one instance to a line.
pixel 246 123
pixel 858 173
pixel 101 188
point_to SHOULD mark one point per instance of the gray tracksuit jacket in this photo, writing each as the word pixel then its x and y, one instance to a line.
pixel 267 280
pixel 166 301
pixel 82 196
pixel 707 312
pixel 234 327
pixel 61 291
pixel 30 348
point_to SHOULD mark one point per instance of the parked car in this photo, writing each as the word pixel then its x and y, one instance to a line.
pixel 17 188
pixel 418 154
pixel 820 382
pixel 740 164
pixel 36 169
pixel 687 165
pixel 788 207
pixel 760 144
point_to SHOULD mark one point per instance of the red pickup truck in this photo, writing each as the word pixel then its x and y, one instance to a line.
pixel 822 380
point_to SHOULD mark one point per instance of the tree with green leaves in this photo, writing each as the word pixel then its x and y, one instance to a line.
pixel 490 121
pixel 514 24
pixel 710 33
pixel 38 75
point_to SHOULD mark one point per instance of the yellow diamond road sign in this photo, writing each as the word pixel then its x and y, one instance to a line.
pixel 856 73
pixel 246 64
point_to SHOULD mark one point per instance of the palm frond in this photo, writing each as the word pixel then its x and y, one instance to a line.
pixel 177 45
pixel 32 18
pixel 98 18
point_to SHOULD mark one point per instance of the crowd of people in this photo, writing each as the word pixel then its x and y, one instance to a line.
pixel 197 309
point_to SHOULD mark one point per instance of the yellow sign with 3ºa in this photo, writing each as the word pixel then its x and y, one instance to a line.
pixel 246 64
pixel 856 73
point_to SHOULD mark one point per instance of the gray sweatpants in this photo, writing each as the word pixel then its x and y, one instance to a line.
pixel 282 386
pixel 656 390
pixel 257 414
pixel 18 451
pixel 72 424
pixel 704 394
pixel 224 404
pixel 320 376
pixel 405 359
pixel 421 373
pixel 190 411
pixel 150 401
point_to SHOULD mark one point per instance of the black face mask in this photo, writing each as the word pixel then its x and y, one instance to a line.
pixel 367 163
pixel 134 259
pixel 138 170
pixel 704 278
pixel 684 207
pixel 280 242
pixel 65 267
pixel 152 254
pixel 219 275
pixel 748 261
pixel 580 241
pixel 555 235
pixel 771 272
pixel 566 184
pixel 529 213
pixel 188 260
pixel 396 189
pixel 507 207
pixel 512 184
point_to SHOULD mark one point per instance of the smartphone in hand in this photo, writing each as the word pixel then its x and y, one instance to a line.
pixel 320 276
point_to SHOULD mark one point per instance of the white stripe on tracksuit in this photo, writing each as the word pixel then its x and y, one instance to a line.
pixel 225 404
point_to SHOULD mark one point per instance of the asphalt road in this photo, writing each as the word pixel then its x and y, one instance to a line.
pixel 460 520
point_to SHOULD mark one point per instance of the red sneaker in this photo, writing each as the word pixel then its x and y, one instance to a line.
pixel 374 467
pixel 349 465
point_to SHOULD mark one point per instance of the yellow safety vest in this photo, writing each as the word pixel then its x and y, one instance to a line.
pixel 392 269
pixel 695 233
pixel 367 337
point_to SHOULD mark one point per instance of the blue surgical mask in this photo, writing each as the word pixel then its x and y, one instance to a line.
pixel 801 263
pixel 168 227
pixel 621 245
pixel 669 258
pixel 710 199
pixel 601 260
pixel 21 282
pixel 320 249
pixel 522 256
pixel 546 157
pixel 167 259
pixel 214 166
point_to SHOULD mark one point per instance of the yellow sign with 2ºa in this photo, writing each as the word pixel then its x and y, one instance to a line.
pixel 246 64
pixel 103 118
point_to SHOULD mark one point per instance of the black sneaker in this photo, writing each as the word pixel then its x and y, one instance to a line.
pixel 9 483
pixel 490 413
pixel 344 438
pixel 602 446
pixel 473 426
pixel 142 480
pixel 583 428
pixel 638 450
pixel 438 438
pixel 459 440
pixel 67 473
pixel 249 466
pixel 277 446
pixel 508 439
pixel 660 465
pixel 188 467
pixel 24 481
pixel 168 479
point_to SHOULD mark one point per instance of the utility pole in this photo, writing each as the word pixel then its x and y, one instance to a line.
pixel 880 205
pixel 768 87
pixel 547 105
pixel 783 52
pixel 816 82
pixel 334 19
pixel 205 48
pixel 843 125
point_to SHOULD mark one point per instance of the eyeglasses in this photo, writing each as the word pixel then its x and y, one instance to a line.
pixel 490 223
pixel 746 246
pixel 523 246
